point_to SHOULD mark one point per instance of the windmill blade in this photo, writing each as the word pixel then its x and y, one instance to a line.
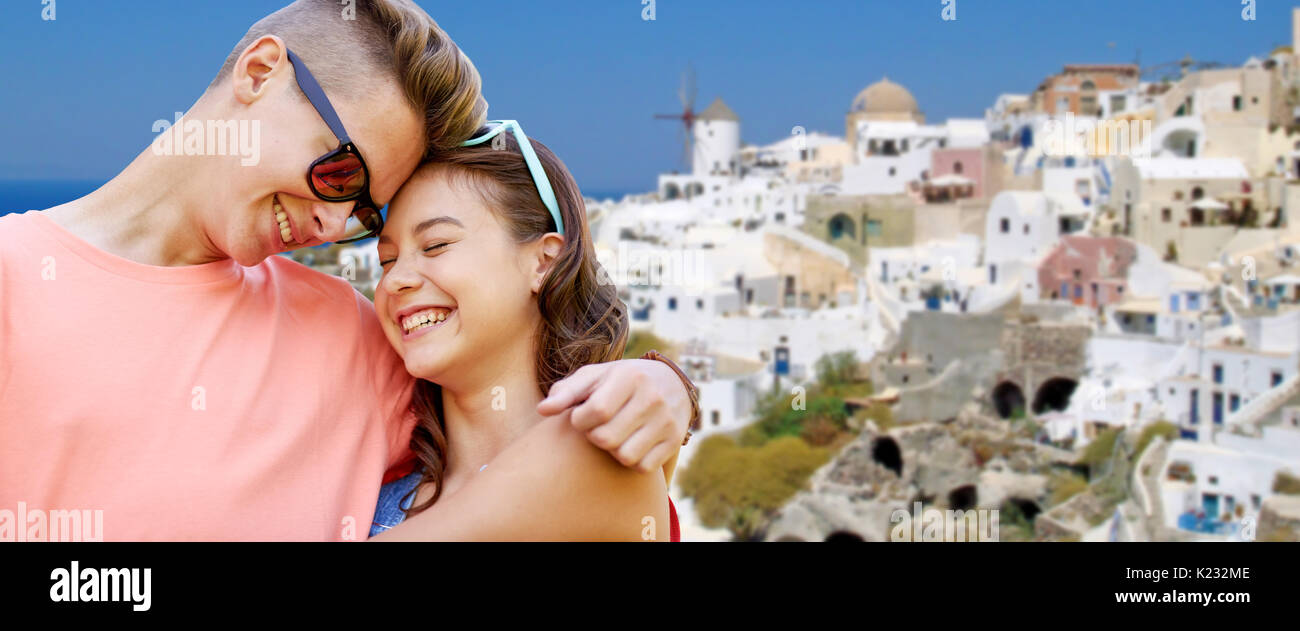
pixel 686 92
pixel 686 147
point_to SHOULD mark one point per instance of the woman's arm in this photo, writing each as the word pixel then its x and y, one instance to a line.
pixel 550 484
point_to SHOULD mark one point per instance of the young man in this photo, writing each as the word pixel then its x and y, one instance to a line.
pixel 159 363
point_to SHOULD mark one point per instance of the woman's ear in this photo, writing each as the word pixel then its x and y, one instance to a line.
pixel 546 250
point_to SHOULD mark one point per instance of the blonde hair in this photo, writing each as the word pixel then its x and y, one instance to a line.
pixel 389 40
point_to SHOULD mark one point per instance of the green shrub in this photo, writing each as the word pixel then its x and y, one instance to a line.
pixel 1160 428
pixel 1098 452
pixel 739 488
pixel 1286 483
pixel 837 368
pixel 638 342
pixel 1064 486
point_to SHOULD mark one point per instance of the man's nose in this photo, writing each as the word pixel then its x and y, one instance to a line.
pixel 330 220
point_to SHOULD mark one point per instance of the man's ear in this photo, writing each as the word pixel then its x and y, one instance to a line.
pixel 265 58
pixel 546 250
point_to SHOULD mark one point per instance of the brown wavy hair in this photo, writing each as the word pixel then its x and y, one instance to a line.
pixel 583 320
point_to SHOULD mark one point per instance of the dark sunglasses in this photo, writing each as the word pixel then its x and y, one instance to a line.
pixel 340 175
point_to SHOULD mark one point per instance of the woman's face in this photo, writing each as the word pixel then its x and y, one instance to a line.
pixel 457 290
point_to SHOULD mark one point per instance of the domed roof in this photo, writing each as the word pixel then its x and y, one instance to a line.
pixel 718 111
pixel 885 97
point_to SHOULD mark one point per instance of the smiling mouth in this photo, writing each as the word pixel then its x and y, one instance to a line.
pixel 423 320
pixel 282 218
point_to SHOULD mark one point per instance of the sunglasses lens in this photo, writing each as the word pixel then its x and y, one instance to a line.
pixel 364 223
pixel 338 176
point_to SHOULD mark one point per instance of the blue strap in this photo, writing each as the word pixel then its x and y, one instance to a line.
pixel 544 189
pixel 317 97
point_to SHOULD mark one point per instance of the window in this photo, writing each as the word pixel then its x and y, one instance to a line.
pixel 1178 196
pixel 1214 479
pixel 892 171
pixel 1078 273
pixel 699 305
pixel 1234 402
pixel 1275 378
pixel 1166 215
pixel 873 227
pixel 1006 225
pixel 1218 373
pixel 1026 228
pixel 956 167
pixel 1236 103
pixel 672 304
pixel 715 417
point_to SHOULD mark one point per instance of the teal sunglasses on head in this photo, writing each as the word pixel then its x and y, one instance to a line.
pixel 530 158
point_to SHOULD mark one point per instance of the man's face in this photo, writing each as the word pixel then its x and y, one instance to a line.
pixel 256 202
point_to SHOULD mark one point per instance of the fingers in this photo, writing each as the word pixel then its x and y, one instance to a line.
pixel 640 425
pixel 603 406
pixel 658 455
pixel 571 390
pixel 637 447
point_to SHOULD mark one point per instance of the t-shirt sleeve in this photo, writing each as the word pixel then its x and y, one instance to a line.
pixel 391 384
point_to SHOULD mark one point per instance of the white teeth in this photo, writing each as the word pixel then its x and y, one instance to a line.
pixel 286 232
pixel 421 320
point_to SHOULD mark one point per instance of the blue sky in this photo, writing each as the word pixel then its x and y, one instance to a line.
pixel 585 76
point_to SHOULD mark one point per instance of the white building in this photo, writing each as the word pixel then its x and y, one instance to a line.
pixel 716 138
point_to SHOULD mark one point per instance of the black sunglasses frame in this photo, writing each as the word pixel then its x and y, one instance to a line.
pixel 372 220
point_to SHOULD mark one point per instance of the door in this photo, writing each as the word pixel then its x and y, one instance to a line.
pixel 1210 504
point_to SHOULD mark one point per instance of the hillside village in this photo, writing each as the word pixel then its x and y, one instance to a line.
pixel 1082 309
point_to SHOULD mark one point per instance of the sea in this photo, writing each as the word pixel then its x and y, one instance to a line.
pixel 17 196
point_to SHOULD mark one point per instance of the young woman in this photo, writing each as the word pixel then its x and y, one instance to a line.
pixel 490 294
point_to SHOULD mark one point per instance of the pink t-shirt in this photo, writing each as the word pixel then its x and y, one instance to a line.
pixel 209 402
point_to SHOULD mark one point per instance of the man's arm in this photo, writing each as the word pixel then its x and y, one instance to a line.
pixel 636 409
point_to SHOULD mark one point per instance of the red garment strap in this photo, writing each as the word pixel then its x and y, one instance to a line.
pixel 675 531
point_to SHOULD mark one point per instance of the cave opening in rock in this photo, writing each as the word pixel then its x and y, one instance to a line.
pixel 843 535
pixel 1054 394
pixel 1008 399
pixel 1028 508
pixel 885 451
pixel 964 497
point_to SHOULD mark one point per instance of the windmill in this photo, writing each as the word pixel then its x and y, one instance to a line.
pixel 686 94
